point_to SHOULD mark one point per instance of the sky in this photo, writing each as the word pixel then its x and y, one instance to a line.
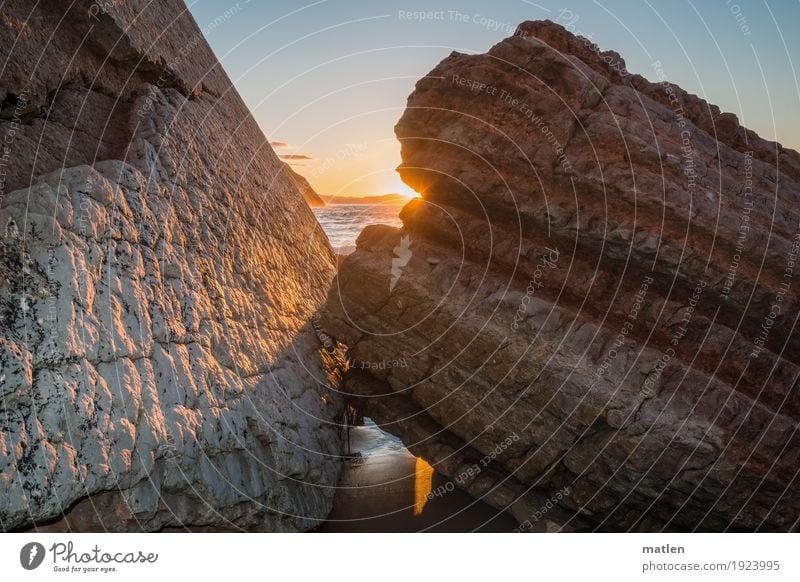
pixel 328 79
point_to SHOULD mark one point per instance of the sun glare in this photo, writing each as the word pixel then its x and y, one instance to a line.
pixel 401 187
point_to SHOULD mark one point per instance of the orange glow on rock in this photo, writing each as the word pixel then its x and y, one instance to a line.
pixel 422 484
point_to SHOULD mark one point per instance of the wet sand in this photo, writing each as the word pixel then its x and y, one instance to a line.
pixel 385 490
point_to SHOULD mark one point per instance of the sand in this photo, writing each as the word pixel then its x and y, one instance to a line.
pixel 386 490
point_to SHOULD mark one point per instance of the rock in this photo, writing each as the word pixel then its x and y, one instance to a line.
pixel 308 192
pixel 159 272
pixel 613 299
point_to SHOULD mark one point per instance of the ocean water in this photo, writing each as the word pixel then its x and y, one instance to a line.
pixel 344 222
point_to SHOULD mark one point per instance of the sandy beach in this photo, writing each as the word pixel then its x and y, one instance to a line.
pixel 386 490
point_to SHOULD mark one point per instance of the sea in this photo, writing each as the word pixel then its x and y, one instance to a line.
pixel 344 222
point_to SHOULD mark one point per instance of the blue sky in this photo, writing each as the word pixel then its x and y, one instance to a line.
pixel 331 77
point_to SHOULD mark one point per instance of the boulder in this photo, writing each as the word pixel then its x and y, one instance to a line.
pixel 595 296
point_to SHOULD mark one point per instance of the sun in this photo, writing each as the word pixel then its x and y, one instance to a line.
pixel 400 187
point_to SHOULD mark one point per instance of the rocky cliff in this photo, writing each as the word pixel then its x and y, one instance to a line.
pixel 159 269
pixel 309 194
pixel 596 296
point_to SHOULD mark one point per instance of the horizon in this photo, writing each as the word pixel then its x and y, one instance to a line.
pixel 379 195
pixel 327 81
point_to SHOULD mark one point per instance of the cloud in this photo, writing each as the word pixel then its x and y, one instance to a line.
pixel 295 157
pixel 279 144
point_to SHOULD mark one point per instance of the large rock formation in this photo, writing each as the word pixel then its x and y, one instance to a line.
pixel 309 194
pixel 159 270
pixel 595 297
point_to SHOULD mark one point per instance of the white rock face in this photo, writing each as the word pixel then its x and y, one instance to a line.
pixel 157 365
pixel 120 371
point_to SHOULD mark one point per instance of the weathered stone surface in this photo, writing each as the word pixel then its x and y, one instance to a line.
pixel 158 271
pixel 601 269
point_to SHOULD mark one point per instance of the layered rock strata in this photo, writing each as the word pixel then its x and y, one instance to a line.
pixel 159 270
pixel 596 296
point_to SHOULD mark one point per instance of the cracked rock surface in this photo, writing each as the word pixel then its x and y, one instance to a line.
pixel 600 274
pixel 158 272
